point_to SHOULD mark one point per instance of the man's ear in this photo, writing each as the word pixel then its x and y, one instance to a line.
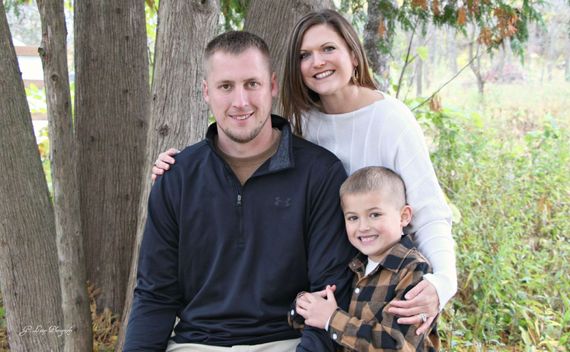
pixel 274 85
pixel 205 91
pixel 405 215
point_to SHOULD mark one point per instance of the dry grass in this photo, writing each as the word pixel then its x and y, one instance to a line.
pixel 106 324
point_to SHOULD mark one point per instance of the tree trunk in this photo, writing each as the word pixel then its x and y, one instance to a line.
pixel 434 40
pixel 63 152
pixel 475 60
pixel 451 42
pixel 504 56
pixel 275 30
pixel 111 104
pixel 375 32
pixel 567 65
pixel 179 114
pixel 28 254
pixel 419 76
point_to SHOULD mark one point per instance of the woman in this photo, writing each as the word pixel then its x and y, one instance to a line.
pixel 333 101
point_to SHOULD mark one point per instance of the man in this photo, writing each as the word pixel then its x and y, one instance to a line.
pixel 243 221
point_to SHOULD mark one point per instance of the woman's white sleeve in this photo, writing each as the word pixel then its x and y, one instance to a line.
pixel 431 221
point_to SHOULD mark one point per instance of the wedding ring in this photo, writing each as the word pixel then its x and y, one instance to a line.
pixel 423 317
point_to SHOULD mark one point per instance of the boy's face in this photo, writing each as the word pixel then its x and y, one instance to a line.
pixel 373 222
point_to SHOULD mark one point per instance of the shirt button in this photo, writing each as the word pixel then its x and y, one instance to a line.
pixel 292 311
pixel 357 290
pixel 334 336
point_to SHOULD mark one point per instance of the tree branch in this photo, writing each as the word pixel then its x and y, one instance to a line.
pixel 407 61
pixel 447 82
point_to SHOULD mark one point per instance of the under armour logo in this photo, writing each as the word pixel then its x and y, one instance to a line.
pixel 282 203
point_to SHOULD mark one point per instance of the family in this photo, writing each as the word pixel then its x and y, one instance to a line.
pixel 256 240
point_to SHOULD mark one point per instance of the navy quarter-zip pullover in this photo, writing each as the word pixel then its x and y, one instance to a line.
pixel 228 259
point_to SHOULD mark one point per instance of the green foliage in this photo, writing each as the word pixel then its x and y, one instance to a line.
pixel 233 13
pixel 512 188
pixel 3 328
pixel 151 17
pixel 495 20
pixel 36 99
pixel 43 147
pixel 14 5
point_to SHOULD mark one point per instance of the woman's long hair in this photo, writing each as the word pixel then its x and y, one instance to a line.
pixel 295 95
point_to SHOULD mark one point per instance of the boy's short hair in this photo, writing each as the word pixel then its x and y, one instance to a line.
pixel 373 179
pixel 235 43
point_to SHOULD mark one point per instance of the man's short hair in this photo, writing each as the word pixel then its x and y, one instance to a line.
pixel 376 179
pixel 235 43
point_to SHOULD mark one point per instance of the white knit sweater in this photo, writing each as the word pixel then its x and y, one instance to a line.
pixel 386 133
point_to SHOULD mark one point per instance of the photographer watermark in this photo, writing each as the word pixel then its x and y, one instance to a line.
pixel 39 329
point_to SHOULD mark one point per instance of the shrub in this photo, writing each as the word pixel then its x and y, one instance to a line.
pixel 512 191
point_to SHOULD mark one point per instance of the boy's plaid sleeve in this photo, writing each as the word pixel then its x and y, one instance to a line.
pixel 379 330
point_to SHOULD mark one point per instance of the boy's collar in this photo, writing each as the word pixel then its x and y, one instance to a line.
pixel 393 260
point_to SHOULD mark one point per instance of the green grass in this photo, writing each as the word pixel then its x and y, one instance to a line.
pixel 3 331
pixel 504 164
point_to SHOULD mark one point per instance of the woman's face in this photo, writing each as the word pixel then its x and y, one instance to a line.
pixel 327 63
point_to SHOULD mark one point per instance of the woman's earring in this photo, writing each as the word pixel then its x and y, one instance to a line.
pixel 355 76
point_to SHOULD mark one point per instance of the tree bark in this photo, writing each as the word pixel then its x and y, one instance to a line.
pixel 111 104
pixel 379 62
pixel 419 76
pixel 63 153
pixel 567 65
pixel 475 66
pixel 179 114
pixel 275 30
pixel 451 44
pixel 28 254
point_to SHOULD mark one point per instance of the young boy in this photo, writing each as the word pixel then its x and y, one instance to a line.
pixel 373 201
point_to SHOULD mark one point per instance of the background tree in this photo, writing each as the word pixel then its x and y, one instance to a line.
pixel 63 151
pixel 28 254
pixel 111 106
pixel 494 21
pixel 179 114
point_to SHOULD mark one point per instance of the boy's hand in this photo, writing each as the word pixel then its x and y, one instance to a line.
pixel 315 309
pixel 323 293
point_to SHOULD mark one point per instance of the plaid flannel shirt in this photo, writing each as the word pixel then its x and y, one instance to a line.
pixel 367 326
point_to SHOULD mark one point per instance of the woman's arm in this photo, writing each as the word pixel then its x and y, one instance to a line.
pixel 404 150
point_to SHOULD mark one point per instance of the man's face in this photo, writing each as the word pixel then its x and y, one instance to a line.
pixel 239 90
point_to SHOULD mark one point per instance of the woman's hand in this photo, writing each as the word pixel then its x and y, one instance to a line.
pixel 420 307
pixel 163 163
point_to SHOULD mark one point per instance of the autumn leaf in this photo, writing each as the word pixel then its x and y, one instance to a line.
pixel 461 16
pixel 381 29
pixel 435 7
pixel 420 3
